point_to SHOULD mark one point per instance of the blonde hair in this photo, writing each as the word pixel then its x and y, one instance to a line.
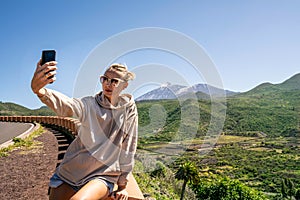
pixel 122 70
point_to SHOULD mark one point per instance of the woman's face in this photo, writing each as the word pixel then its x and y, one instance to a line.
pixel 112 84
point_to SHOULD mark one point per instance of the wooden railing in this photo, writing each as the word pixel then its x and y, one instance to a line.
pixel 71 125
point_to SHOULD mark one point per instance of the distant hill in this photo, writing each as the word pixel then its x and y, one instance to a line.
pixel 8 108
pixel 290 84
pixel 170 91
pixel 270 108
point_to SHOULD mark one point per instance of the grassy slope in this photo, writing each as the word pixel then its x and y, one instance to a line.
pixel 15 109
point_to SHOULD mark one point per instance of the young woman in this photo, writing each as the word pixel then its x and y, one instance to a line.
pixel 103 152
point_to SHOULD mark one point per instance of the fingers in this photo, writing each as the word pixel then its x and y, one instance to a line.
pixel 46 74
pixel 48 66
pixel 121 196
pixel 43 75
pixel 49 74
pixel 39 82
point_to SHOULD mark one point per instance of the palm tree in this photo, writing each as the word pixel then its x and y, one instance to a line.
pixel 188 173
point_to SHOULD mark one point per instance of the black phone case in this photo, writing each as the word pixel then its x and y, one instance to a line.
pixel 47 56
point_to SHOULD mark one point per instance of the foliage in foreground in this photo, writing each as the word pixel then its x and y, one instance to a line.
pixel 161 183
pixel 225 189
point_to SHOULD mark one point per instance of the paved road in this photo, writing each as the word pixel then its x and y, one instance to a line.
pixel 9 130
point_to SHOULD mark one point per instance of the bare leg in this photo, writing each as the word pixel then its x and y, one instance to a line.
pixel 62 192
pixel 93 190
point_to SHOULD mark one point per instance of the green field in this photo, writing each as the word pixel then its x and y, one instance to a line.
pixel 258 162
pixel 259 144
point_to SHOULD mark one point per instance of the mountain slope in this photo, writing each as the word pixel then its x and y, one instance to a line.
pixel 12 109
pixel 8 108
pixel 165 91
pixel 270 108
pixel 290 84
pixel 169 91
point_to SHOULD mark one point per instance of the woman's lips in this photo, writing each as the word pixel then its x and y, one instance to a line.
pixel 108 90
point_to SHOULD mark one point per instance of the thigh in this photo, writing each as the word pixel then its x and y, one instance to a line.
pixel 62 192
pixel 93 190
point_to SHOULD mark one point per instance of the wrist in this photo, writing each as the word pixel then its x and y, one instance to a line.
pixel 41 92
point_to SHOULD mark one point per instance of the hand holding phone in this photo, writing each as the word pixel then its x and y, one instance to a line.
pixel 47 56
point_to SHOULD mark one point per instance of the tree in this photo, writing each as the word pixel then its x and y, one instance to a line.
pixel 188 173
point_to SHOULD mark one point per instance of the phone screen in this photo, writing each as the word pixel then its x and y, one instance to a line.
pixel 47 56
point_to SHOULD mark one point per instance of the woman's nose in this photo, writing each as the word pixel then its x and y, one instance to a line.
pixel 108 82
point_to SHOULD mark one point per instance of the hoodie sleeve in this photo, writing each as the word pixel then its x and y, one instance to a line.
pixel 63 105
pixel 129 146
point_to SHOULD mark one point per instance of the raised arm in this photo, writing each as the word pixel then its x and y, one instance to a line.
pixel 58 102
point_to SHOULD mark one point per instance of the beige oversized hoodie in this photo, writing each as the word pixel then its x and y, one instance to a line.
pixel 106 141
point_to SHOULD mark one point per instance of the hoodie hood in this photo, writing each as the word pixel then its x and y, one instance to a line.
pixel 125 100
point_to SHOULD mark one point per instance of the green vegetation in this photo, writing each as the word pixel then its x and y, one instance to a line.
pixel 28 142
pixel 159 182
pixel 9 109
pixel 257 165
pixel 225 189
pixel 259 146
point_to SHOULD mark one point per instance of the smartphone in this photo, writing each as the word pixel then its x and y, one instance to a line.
pixel 47 56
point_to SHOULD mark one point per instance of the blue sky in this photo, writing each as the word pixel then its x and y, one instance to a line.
pixel 250 42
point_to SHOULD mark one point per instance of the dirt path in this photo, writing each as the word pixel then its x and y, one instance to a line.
pixel 25 173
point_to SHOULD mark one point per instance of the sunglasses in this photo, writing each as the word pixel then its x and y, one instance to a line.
pixel 114 81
